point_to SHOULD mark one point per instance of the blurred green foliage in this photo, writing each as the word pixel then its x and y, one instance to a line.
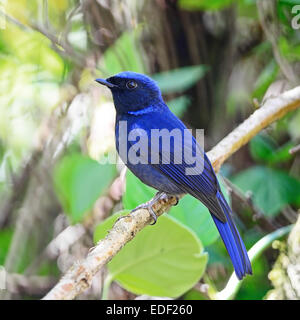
pixel 264 149
pixel 266 77
pixel 272 189
pixel 205 5
pixel 5 240
pixel 179 105
pixel 79 181
pixel 180 79
pixel 124 54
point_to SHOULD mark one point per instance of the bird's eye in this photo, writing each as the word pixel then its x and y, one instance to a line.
pixel 131 84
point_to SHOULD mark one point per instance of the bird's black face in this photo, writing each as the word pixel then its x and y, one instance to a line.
pixel 132 91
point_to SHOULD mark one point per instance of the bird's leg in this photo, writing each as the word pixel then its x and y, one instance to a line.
pixel 160 195
pixel 148 205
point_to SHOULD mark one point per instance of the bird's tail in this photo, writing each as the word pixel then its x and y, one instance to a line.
pixel 232 240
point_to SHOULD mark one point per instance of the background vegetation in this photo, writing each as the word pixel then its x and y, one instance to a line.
pixel 215 62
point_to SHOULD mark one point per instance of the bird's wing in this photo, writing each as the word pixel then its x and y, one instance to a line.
pixel 203 186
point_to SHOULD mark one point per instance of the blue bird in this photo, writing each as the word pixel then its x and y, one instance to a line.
pixel 139 105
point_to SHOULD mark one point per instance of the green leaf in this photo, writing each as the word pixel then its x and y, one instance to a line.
pixel 179 80
pixel 266 77
pixel 256 287
pixel 179 105
pixel 289 51
pixel 262 147
pixel 204 4
pixel 272 189
pixel 5 240
pixel 291 2
pixel 102 228
pixel 79 181
pixel 247 8
pixel 193 214
pixel 194 294
pixel 136 192
pixel 123 55
pixel 282 154
pixel 166 259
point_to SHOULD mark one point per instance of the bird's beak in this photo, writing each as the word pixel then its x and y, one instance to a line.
pixel 105 83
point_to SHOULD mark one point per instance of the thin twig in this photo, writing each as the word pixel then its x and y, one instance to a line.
pixel 45 14
pixel 257 216
pixel 295 149
pixel 18 189
pixel 61 47
pixel 32 285
pixel 59 244
pixel 79 277
pixel 268 19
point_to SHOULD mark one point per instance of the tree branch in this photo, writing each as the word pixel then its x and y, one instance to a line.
pixel 79 276
pixel 32 285
pixel 61 47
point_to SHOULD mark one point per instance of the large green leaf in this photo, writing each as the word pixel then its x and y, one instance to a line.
pixel 179 80
pixel 166 259
pixel 272 189
pixel 204 4
pixel 192 213
pixel 79 181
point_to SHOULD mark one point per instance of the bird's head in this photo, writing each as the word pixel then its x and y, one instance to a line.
pixel 132 91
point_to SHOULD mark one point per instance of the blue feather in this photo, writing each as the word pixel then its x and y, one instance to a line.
pixel 232 240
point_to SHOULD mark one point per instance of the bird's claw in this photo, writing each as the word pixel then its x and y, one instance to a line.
pixel 153 215
pixel 177 200
pixel 147 206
